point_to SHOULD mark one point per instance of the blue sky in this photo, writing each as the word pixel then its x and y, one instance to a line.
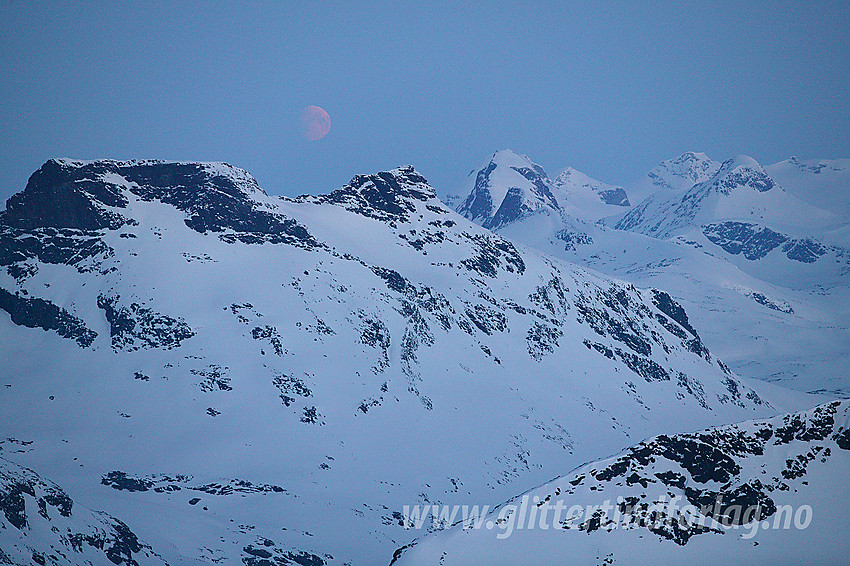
pixel 608 88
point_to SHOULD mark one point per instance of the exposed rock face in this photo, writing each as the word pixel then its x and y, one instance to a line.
pixel 753 241
pixel 59 246
pixel 736 173
pixel 39 313
pixel 511 188
pixel 89 196
pixel 478 205
pixel 41 525
pixel 383 196
pixel 59 196
pixel 134 326
pixel 617 197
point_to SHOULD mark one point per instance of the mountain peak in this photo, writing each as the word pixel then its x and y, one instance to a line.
pixel 740 160
pixel 568 173
pixel 741 171
pixel 505 189
pixel 509 158
pixel 70 193
pixel 401 181
pixel 739 189
pixel 684 171
pixel 64 193
pixel 323 332
pixel 692 157
pixel 97 195
pixel 819 182
pixel 388 195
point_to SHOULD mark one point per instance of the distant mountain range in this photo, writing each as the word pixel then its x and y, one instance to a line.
pixel 748 257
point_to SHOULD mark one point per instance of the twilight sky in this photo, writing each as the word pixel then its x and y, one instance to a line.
pixel 608 88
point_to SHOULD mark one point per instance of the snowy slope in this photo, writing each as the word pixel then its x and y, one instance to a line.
pixel 823 183
pixel 798 336
pixel 683 172
pixel 760 492
pixel 581 196
pixel 678 174
pixel 746 217
pixel 241 377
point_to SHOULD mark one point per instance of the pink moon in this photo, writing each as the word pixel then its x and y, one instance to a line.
pixel 315 123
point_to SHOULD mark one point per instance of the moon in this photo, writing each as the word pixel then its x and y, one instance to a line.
pixel 315 123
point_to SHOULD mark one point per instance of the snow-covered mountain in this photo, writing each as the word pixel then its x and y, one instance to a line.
pixel 760 492
pixel 799 337
pixel 747 284
pixel 683 172
pixel 745 216
pixel 676 174
pixel 240 377
pixel 507 188
pixel 739 191
pixel 510 187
